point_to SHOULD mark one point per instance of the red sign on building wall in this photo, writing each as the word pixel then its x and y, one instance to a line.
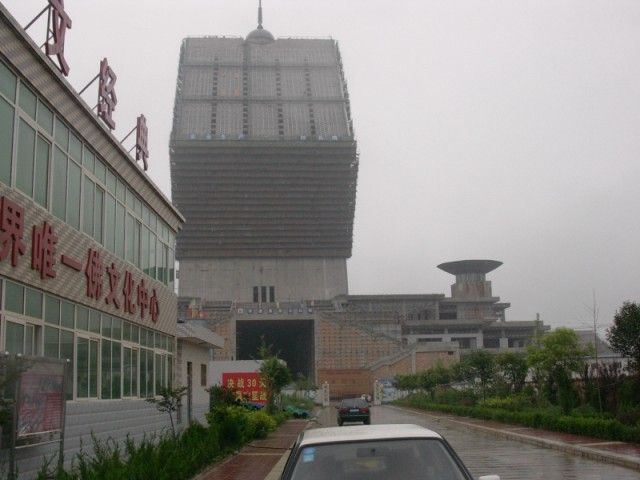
pixel 134 295
pixel 247 385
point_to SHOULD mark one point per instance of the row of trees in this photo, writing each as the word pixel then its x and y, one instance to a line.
pixel 554 370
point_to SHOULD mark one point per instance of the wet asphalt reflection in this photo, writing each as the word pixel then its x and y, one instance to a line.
pixel 486 454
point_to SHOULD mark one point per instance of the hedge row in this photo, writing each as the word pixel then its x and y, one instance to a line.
pixel 165 457
pixel 608 429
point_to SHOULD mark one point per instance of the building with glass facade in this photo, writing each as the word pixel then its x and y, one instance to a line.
pixel 87 246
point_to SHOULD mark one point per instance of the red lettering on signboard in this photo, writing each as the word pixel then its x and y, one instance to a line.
pixel 43 250
pixel 59 23
pixel 247 386
pixel 70 262
pixel 143 298
pixel 107 99
pixel 154 307
pixel 11 230
pixel 142 140
pixel 114 280
pixel 94 272
pixel 127 291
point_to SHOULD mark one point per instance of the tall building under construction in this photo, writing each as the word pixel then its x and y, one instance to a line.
pixel 264 166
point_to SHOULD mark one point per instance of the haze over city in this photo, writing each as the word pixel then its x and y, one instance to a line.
pixel 500 130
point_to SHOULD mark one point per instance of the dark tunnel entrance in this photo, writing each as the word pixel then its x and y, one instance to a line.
pixel 291 339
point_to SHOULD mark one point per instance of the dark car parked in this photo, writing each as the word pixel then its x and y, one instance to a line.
pixel 354 410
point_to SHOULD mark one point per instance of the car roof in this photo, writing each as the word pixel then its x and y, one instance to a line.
pixel 316 436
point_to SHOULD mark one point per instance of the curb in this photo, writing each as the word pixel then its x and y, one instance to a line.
pixel 585 452
pixel 277 469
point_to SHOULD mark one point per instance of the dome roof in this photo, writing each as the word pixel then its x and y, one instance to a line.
pixel 260 36
pixel 469 266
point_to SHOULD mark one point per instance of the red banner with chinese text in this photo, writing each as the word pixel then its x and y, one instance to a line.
pixel 247 385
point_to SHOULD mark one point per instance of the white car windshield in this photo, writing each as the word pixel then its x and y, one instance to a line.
pixel 377 460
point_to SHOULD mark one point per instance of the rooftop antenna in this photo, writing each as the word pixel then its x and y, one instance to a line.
pixel 260 14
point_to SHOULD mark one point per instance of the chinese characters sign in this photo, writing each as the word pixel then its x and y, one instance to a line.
pixel 142 149
pixel 247 385
pixel 59 22
pixel 133 295
pixel 107 99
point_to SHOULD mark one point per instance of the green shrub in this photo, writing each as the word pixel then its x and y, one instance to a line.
pixel 261 424
pixel 233 424
pixel 548 419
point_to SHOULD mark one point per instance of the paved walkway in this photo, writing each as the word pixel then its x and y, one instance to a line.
pixel 257 459
pixel 607 451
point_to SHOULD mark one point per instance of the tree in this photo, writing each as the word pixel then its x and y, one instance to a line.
pixel 624 334
pixel 554 359
pixel 513 368
pixel 274 374
pixel 478 365
pixel 169 402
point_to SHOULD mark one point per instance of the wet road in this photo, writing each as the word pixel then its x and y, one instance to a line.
pixel 486 454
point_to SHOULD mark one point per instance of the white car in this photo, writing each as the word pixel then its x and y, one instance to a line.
pixel 375 452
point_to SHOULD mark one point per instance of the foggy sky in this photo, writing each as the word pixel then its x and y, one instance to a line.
pixel 486 129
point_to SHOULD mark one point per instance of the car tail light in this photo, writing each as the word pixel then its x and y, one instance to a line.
pixel 364 409
pixel 343 410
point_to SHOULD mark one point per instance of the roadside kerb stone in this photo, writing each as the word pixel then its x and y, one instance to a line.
pixel 579 450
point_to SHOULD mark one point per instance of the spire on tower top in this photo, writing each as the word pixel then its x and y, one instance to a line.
pixel 260 36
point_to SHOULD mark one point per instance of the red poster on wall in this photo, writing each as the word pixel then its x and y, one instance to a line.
pixel 247 385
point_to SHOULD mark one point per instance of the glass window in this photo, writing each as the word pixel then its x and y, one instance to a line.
pixel 101 171
pixel 59 195
pixel 67 314
pixel 82 368
pixel 73 195
pixel 152 255
pixel 6 138
pixel 45 118
pixel 159 364
pixel 28 101
pixel 75 148
pixel 116 365
pixel 149 373
pixel 89 160
pixel 14 297
pixel 24 158
pixel 126 372
pixel 126 331
pixel 82 322
pixel 14 338
pixel 143 373
pixel 94 321
pixel 106 369
pixel 93 368
pixel 110 223
pixel 106 326
pixel 116 329
pixel 137 206
pixel 87 221
pixel 120 191
pixel 129 238
pixel 111 182
pixel 136 242
pixel 66 345
pixel 7 82
pixel 144 264
pixel 51 342
pixel 51 310
pixel 62 135
pixel 172 269
pixel 33 303
pixel 145 214
pixel 135 333
pixel 41 180
pixel 134 373
pixel 30 347
pixel 119 231
pixel 97 214
pixel 129 201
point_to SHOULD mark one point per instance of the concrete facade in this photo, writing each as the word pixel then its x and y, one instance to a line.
pixel 292 279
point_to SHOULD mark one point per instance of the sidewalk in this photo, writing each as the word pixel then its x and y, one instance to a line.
pixel 257 459
pixel 607 451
